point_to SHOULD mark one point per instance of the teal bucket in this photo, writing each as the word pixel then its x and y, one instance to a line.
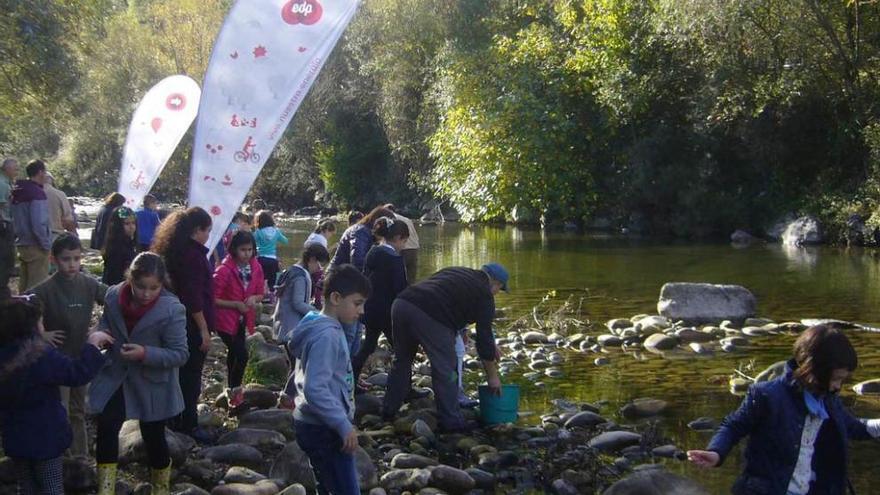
pixel 496 410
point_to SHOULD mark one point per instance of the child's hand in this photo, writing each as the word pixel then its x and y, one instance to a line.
pixel 54 337
pixel 242 307
pixel 350 442
pixel 100 340
pixel 206 341
pixel 133 352
pixel 704 458
pixel 253 301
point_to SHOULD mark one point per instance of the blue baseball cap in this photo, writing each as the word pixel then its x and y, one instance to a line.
pixel 497 272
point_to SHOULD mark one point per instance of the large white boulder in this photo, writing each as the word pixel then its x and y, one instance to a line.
pixel 705 303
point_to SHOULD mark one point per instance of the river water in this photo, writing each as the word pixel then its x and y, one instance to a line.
pixel 619 277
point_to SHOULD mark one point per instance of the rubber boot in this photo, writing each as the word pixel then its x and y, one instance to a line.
pixel 107 479
pixel 161 479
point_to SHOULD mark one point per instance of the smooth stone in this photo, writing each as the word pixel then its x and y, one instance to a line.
pixel 734 341
pixel 556 358
pixel 654 321
pixel 554 373
pixel 739 385
pixel 132 448
pixel 562 487
pixel 495 460
pixel 668 451
pixel 264 487
pixel 757 322
pixel 584 419
pixel 378 491
pixel 409 461
pixel 700 349
pixel 660 342
pixel 607 340
pixel 867 387
pixel 601 361
pixel 754 331
pixel 368 476
pixel 698 303
pixel 379 379
pixel 78 475
pixel 292 466
pixel 729 347
pixel 772 372
pixel 367 404
pixel 450 479
pixel 259 397
pixel 208 417
pixel 294 489
pixel 612 441
pixel 643 408
pixel 654 481
pixel 534 338
pixel 239 474
pixel 405 479
pixel 618 323
pixel 689 335
pixel 703 424
pixel 237 454
pixel 253 437
pixel 280 420
pixel 183 489
pixel 421 429
pixel 483 480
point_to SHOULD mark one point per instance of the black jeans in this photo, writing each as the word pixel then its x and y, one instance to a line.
pixel 371 341
pixel 7 258
pixel 110 422
pixel 270 270
pixel 236 355
pixel 191 383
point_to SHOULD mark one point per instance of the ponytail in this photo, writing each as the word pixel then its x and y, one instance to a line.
pixel 388 228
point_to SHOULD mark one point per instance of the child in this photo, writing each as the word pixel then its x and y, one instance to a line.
pixel 119 245
pixel 112 201
pixel 238 287
pixel 148 325
pixel 268 236
pixel 324 381
pixel 797 425
pixel 68 298
pixel 240 222
pixel 147 221
pixel 357 240
pixel 294 302
pixel 323 231
pixel 180 241
pixel 385 268
pixel 32 419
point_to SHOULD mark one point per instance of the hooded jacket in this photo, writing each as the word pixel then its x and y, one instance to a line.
pixel 267 241
pixel 30 214
pixel 354 245
pixel 323 375
pixel 773 415
pixel 229 287
pixel 294 293
pixel 33 421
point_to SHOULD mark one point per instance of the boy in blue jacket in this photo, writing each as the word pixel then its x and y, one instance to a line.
pixel 324 382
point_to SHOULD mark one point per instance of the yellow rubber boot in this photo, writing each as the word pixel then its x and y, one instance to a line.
pixel 107 479
pixel 161 479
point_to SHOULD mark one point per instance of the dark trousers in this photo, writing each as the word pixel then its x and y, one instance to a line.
pixel 335 471
pixel 412 328
pixel 7 258
pixel 371 341
pixel 411 260
pixel 236 356
pixel 270 270
pixel 191 383
pixel 110 422
pixel 40 477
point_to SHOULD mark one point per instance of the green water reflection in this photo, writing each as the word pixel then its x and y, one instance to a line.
pixel 622 277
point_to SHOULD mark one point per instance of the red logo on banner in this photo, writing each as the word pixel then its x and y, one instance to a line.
pixel 216 211
pixel 175 102
pixel 306 12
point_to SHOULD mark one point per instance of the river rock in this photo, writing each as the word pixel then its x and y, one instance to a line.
pixel 689 335
pixel 670 451
pixel 367 473
pixel 734 341
pixel 379 379
pixel 253 437
pixel 562 487
pixel 618 324
pixel 79 475
pixel 420 429
pixel 409 461
pixel 584 419
pixel 534 338
pixel 185 489
pixel 803 231
pixel 655 482
pixel 132 449
pixel 238 474
pixel 644 408
pixel 259 397
pixel 867 387
pixel 367 404
pixel 613 441
pixel 483 480
pixel 703 424
pixel 742 238
pixel 772 372
pixel 264 487
pixel 237 454
pixel 292 466
pixel 660 342
pixel 608 340
pixel 700 349
pixel 405 479
pixel 755 331
pixel 295 489
pixel 705 303
pixel 280 420
pixel 601 361
pixel 450 479
pixel 378 491
pixel 651 324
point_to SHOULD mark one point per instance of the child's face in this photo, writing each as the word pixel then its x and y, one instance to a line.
pixel 838 376
pixel 68 262
pixel 130 226
pixel 313 266
pixel 152 205
pixel 349 308
pixel 145 289
pixel 244 253
pixel 244 226
pixel 397 242
pixel 201 235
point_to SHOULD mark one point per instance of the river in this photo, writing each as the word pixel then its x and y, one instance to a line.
pixel 620 277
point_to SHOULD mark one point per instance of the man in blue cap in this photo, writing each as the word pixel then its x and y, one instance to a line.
pixel 429 314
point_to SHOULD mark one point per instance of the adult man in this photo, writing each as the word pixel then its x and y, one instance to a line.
pixel 410 251
pixel 30 213
pixel 429 314
pixel 8 171
pixel 60 213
